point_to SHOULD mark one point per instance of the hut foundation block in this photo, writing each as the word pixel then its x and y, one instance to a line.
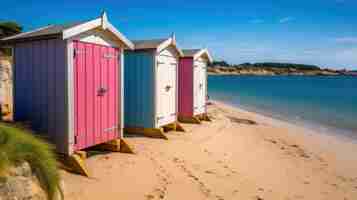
pixel 190 120
pixel 148 132
pixel 77 164
pixel 125 147
pixel 176 126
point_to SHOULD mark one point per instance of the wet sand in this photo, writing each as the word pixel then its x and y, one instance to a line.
pixel 240 155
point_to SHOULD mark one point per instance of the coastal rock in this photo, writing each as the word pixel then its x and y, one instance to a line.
pixel 21 184
pixel 269 71
pixel 6 86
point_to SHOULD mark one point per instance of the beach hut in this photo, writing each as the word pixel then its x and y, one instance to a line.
pixel 151 86
pixel 68 82
pixel 193 85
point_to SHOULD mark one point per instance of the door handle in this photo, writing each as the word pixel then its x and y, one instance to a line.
pixel 168 87
pixel 101 91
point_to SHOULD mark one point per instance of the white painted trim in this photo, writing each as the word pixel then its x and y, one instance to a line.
pixel 177 88
pixel 104 19
pixel 166 44
pixel 126 41
pixel 155 55
pixel 101 22
pixel 122 69
pixel 201 53
pixel 70 96
pixel 96 36
pixel 71 32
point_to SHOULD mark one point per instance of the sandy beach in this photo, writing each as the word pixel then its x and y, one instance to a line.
pixel 240 155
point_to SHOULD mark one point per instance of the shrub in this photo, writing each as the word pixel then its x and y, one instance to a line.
pixel 18 145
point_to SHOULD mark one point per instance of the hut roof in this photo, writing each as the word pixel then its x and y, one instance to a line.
pixel 190 52
pixel 148 44
pixel 43 31
pixel 158 44
pixel 195 53
pixel 69 30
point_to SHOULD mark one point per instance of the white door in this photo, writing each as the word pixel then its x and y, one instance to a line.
pixel 200 87
pixel 166 89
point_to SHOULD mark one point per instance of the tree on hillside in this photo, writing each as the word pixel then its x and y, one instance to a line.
pixel 268 65
pixel 9 28
pixel 220 63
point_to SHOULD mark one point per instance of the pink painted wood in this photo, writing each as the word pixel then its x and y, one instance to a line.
pixel 185 104
pixel 96 94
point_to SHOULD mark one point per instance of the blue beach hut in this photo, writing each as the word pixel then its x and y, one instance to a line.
pixel 151 90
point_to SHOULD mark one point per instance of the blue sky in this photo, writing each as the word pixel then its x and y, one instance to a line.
pixel 322 32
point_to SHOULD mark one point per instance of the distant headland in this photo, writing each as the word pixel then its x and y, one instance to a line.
pixel 270 68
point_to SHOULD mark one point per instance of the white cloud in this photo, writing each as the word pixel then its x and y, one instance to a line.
pixel 347 40
pixel 347 55
pixel 286 20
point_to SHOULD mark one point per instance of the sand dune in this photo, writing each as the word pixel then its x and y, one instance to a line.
pixel 240 155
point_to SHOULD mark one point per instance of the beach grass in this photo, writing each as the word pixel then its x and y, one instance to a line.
pixel 18 145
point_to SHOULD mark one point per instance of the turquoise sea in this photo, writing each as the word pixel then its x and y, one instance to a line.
pixel 326 103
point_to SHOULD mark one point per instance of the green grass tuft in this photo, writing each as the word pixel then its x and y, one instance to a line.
pixel 18 145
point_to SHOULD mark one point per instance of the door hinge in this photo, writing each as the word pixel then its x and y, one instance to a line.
pixel 108 56
pixel 111 129
pixel 77 51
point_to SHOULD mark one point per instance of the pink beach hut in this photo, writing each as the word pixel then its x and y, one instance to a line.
pixel 193 85
pixel 69 82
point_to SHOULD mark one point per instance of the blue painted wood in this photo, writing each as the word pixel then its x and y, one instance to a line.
pixel 139 89
pixel 40 94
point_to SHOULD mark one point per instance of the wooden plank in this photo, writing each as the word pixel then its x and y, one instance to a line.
pixel 97 101
pixel 89 94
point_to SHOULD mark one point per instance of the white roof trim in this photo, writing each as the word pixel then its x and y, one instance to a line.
pixel 99 22
pixel 125 40
pixel 24 33
pixel 167 43
pixel 202 52
pixel 81 28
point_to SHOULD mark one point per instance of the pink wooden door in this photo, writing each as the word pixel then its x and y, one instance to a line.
pixel 97 97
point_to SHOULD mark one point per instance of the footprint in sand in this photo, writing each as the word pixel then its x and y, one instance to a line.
pixel 242 121
pixel 149 196
pixel 209 172
pixel 204 189
pixel 258 198
pixel 271 140
pixel 164 180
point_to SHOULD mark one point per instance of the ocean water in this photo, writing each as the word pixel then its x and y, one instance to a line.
pixel 326 103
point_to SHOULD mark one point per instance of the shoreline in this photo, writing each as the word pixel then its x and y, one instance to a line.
pixel 308 126
pixel 308 75
pixel 239 155
pixel 330 142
